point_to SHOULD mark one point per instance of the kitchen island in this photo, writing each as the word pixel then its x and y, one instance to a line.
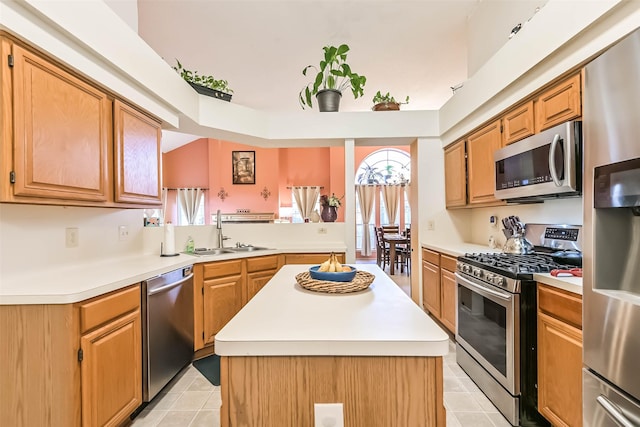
pixel 374 351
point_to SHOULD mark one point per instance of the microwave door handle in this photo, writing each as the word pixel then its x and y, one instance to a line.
pixel 552 163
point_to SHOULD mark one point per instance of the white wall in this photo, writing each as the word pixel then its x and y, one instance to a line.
pixel 127 10
pixel 33 237
pixel 489 26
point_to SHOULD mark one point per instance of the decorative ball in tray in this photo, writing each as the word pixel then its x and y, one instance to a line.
pixel 333 277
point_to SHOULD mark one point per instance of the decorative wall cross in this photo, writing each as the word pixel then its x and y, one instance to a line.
pixel 265 193
pixel 222 194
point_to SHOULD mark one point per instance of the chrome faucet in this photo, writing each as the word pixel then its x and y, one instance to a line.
pixel 219 236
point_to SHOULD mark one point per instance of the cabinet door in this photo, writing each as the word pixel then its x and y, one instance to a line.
pixel 112 371
pixel 455 175
pixel 560 103
pixel 311 258
pixel 518 123
pixel 431 288
pixel 559 371
pixel 256 281
pixel 62 133
pixel 480 148
pixel 448 288
pixel 222 300
pixel 137 156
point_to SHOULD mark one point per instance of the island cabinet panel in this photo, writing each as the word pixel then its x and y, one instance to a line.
pixel 62 133
pixel 560 103
pixel 266 391
pixel 222 300
pixel 455 175
pixel 518 123
pixel 480 148
pixel 559 356
pixel 137 156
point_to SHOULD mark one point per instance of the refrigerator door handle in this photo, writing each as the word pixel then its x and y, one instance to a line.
pixel 614 411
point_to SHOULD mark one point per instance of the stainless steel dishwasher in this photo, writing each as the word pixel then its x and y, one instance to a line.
pixel 167 333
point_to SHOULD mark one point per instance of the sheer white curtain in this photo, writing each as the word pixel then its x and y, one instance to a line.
pixel 189 199
pixel 391 196
pixel 165 193
pixel 366 197
pixel 306 199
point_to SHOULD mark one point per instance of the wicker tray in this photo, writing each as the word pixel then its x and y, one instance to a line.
pixel 361 281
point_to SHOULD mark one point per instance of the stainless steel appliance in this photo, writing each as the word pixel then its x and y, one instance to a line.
pixel 496 321
pixel 167 332
pixel 611 273
pixel 545 165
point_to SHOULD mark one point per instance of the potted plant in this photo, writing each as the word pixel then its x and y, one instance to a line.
pixel 205 85
pixel 333 77
pixel 386 102
pixel 330 205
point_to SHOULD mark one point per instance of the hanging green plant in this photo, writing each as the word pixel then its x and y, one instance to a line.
pixel 206 85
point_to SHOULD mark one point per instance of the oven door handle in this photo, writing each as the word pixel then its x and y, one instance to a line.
pixel 482 289
pixel 552 163
pixel 613 411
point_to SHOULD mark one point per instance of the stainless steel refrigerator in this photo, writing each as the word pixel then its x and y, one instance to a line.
pixel 611 258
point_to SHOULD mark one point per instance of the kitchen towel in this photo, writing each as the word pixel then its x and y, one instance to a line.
pixel 169 243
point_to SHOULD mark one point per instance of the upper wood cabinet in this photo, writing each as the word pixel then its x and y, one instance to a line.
pixel 560 103
pixel 137 156
pixel 62 132
pixel 66 141
pixel 455 175
pixel 518 123
pixel 480 148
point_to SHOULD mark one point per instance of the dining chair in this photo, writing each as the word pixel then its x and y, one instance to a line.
pixel 390 229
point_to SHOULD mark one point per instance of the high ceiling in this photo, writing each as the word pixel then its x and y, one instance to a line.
pixel 415 48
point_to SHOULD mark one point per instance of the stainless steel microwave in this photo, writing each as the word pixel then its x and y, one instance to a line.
pixel 545 165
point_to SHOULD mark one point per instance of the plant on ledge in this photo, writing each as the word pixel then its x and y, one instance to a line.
pixel 332 78
pixel 206 85
pixel 332 200
pixel 387 102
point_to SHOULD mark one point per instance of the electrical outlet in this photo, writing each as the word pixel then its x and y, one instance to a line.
pixel 72 237
pixel 322 230
pixel 123 232
pixel 328 415
pixel 431 225
pixel 493 221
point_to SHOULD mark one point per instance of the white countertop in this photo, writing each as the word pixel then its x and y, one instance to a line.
pixel 286 319
pixel 89 279
pixel 571 284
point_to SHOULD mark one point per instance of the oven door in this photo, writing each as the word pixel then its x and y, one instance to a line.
pixel 488 321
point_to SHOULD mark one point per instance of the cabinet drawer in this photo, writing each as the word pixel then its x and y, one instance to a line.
pixel 222 268
pixel 431 256
pixel 262 263
pixel 562 305
pixel 100 310
pixel 310 258
pixel 448 263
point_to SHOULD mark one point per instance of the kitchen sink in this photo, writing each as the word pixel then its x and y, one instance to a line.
pixel 213 251
pixel 248 249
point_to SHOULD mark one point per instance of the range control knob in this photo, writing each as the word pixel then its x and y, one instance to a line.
pixel 489 277
pixel 500 281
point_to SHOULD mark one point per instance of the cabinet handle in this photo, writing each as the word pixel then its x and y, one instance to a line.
pixel 614 411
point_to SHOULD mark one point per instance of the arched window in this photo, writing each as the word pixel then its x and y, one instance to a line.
pixel 387 166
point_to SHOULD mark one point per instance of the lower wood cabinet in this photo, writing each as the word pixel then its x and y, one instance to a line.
pixel 560 356
pixel 72 364
pixel 439 287
pixel 311 258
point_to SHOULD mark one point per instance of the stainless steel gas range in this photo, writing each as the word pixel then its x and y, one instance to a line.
pixel 496 320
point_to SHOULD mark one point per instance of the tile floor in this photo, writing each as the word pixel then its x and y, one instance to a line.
pixel 189 400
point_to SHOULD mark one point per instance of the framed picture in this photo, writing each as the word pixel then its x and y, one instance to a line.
pixel 244 167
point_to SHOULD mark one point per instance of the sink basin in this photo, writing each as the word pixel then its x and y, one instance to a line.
pixel 248 249
pixel 212 251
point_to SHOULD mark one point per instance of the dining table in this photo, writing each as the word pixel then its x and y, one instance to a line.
pixel 394 239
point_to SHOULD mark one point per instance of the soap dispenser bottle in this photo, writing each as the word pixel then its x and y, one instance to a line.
pixel 190 245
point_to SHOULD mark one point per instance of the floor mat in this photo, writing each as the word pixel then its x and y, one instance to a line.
pixel 209 367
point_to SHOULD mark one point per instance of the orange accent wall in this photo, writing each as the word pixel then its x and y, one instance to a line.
pixel 207 163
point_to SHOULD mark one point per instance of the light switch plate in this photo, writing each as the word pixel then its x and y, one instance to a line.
pixel 72 237
pixel 328 415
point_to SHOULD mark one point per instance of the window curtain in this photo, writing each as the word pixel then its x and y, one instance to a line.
pixel 391 195
pixel 165 194
pixel 366 197
pixel 189 199
pixel 306 198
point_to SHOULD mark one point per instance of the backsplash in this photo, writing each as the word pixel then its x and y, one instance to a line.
pixel 563 211
pixel 34 236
